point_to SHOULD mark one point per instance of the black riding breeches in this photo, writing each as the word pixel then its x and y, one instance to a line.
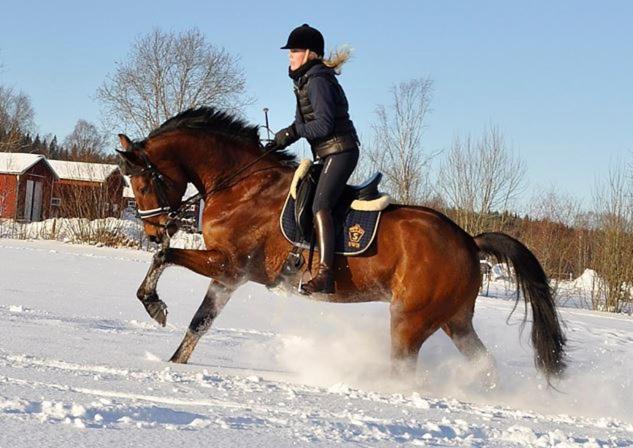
pixel 337 168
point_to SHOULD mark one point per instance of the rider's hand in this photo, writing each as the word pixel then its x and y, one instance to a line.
pixel 285 137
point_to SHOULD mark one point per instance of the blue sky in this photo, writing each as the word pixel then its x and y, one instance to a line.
pixel 554 76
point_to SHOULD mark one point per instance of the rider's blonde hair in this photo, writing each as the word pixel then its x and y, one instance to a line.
pixel 336 58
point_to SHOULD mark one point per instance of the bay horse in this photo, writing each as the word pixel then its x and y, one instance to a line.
pixel 421 262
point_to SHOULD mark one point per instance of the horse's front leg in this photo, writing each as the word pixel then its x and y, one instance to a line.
pixel 216 263
pixel 217 296
pixel 147 294
pixel 211 263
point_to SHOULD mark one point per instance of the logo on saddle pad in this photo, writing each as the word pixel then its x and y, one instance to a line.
pixel 356 233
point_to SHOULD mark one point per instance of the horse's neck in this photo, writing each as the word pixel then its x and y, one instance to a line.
pixel 208 175
pixel 205 169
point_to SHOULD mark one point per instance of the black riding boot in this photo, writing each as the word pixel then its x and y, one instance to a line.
pixel 324 280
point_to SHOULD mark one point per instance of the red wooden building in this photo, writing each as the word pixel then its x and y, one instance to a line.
pixel 87 190
pixel 26 184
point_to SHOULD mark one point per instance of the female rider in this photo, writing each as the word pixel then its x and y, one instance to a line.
pixel 322 118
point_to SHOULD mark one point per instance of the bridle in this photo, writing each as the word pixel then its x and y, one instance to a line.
pixel 159 180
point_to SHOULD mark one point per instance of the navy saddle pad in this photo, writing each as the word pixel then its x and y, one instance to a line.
pixel 355 229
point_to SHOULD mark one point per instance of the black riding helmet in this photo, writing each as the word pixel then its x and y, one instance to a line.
pixel 306 37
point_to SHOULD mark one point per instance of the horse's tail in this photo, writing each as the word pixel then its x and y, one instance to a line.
pixel 547 336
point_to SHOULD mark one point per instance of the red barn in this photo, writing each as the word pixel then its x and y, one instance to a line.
pixel 87 190
pixel 26 184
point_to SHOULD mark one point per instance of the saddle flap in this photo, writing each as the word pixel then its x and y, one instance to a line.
pixel 304 196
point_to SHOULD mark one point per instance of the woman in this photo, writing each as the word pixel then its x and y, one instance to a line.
pixel 322 118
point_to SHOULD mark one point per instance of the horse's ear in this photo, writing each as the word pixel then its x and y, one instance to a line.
pixel 125 142
pixel 129 157
pixel 131 162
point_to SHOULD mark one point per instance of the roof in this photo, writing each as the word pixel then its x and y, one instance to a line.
pixel 89 172
pixel 19 162
pixel 127 191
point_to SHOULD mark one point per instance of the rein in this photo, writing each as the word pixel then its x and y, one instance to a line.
pixel 174 214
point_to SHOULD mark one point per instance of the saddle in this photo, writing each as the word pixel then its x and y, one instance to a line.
pixel 356 215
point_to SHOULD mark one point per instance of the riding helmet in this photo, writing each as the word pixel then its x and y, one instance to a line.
pixel 306 37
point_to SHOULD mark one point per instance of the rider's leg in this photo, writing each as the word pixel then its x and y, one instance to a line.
pixel 323 282
pixel 336 171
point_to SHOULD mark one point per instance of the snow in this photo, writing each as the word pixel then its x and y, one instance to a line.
pixel 16 162
pixel 84 171
pixel 588 280
pixel 79 230
pixel 81 363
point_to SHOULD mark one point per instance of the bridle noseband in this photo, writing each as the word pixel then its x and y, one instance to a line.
pixel 159 180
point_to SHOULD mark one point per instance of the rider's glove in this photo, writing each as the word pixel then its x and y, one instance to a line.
pixel 285 137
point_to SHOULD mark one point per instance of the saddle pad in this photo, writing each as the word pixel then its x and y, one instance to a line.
pixel 353 237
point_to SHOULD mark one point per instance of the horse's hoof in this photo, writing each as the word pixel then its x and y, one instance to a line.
pixel 156 308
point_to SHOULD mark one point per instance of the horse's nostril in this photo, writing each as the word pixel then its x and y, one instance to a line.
pixel 153 239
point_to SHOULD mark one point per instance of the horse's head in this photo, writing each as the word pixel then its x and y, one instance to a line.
pixel 158 184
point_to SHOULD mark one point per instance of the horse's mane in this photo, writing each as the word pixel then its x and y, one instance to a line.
pixel 211 120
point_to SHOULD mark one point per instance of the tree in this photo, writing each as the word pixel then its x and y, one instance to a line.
pixel 54 150
pixel 85 143
pixel 396 149
pixel 553 234
pixel 166 73
pixel 613 204
pixel 479 177
pixel 16 118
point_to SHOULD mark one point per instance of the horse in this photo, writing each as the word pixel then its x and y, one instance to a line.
pixel 421 262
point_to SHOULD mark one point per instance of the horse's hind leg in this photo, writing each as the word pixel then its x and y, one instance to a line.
pixel 216 297
pixel 461 331
pixel 408 331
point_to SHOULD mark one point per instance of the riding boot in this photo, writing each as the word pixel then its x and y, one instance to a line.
pixel 323 282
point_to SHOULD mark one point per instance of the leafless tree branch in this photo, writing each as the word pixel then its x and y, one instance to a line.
pixel 166 73
pixel 396 149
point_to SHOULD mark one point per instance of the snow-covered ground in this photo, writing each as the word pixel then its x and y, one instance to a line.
pixel 116 232
pixel 81 363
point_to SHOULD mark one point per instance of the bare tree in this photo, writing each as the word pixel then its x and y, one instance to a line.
pixel 16 118
pixel 613 255
pixel 479 177
pixel 396 149
pixel 550 233
pixel 86 143
pixel 166 73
